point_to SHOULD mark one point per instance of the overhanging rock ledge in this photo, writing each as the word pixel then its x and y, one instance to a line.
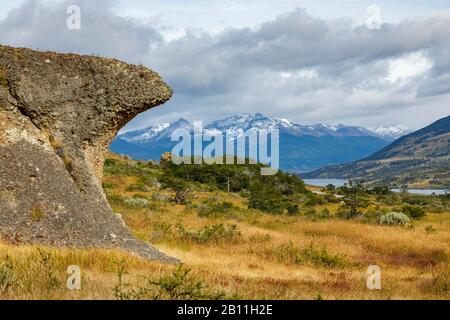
pixel 58 115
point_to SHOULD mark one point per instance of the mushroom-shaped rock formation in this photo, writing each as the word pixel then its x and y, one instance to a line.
pixel 58 115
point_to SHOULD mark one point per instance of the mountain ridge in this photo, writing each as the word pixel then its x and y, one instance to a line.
pixel 389 133
pixel 302 147
pixel 417 160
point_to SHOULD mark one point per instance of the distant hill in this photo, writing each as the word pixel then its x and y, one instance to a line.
pixel 420 159
pixel 302 147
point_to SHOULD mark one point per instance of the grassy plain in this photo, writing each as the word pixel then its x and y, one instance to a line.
pixel 232 252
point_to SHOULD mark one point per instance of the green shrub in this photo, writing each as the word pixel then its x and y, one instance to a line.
pixel 214 234
pixel 380 190
pixel 314 215
pixel 108 186
pixel 289 253
pixel 143 171
pixel 324 214
pixel 345 214
pixel 310 213
pixel 354 198
pixel 395 218
pixel 160 198
pixel 138 187
pixel 234 178
pixel 110 162
pixel 115 199
pixel 430 229
pixel 292 208
pixel 179 284
pixel 330 188
pixel 209 208
pixel 374 215
pixel 137 202
pixel 122 290
pixel 413 212
pixel 314 200
pixel 161 231
pixel 322 257
pixel 260 238
pixel 266 198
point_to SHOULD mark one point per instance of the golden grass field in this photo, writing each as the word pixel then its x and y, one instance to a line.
pixel 265 257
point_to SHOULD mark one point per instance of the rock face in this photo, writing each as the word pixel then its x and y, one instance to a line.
pixel 58 115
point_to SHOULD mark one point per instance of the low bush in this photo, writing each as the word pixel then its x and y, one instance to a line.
pixel 210 209
pixel 108 186
pixel 314 215
pixel 214 234
pixel 179 284
pixel 137 203
pixel 373 215
pixel 260 238
pixel 413 212
pixel 314 200
pixel 395 218
pixel 292 208
pixel 288 253
pixel 138 187
pixel 322 257
pixel 266 198
pixel 160 198
pixel 115 199
pixel 161 231
pixel 144 171
pixel 345 214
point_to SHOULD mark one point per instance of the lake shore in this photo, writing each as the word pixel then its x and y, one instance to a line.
pixel 342 182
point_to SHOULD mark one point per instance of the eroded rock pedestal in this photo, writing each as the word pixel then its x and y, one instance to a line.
pixel 58 115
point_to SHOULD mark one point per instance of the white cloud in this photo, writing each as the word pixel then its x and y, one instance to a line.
pixel 408 66
pixel 292 65
pixel 300 74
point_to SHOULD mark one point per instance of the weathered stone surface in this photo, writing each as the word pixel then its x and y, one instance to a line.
pixel 58 115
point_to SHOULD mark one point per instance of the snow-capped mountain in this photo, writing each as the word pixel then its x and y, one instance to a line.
pixel 156 133
pixel 240 123
pixel 391 132
pixel 302 147
pixel 236 125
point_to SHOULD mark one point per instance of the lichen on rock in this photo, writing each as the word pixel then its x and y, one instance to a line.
pixel 58 115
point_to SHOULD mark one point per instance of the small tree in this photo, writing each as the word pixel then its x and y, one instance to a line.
pixel 355 198
pixel 414 212
pixel 381 190
pixel 330 188
pixel 266 197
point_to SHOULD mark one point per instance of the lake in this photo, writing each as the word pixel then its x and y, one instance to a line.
pixel 427 192
pixel 325 182
pixel 341 182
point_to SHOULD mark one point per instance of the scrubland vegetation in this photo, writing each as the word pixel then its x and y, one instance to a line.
pixel 244 236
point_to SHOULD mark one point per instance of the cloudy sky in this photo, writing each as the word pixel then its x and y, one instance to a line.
pixel 309 61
